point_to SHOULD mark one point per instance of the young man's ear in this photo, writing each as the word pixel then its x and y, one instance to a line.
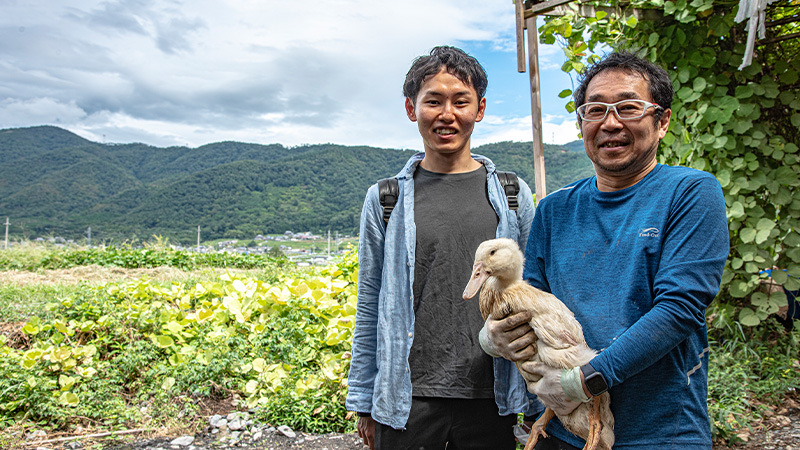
pixel 481 109
pixel 412 115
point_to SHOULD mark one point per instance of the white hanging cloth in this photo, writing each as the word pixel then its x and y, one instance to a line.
pixel 756 10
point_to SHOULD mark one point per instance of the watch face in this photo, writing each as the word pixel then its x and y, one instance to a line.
pixel 596 384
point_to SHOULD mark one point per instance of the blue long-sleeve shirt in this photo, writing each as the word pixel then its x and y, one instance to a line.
pixel 638 267
pixel 379 380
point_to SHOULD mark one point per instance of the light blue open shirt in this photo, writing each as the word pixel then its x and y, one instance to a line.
pixel 379 380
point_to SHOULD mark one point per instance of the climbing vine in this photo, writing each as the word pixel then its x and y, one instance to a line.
pixel 742 125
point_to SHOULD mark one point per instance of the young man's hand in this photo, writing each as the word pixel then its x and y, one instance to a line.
pixel 366 431
pixel 510 337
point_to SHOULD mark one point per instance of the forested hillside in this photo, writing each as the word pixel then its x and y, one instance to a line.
pixel 53 182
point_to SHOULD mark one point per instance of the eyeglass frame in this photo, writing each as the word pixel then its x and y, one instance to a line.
pixel 613 106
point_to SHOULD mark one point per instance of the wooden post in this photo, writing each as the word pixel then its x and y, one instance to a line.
pixel 520 9
pixel 536 108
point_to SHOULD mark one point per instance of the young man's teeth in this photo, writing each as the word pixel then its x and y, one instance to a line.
pixel 446 131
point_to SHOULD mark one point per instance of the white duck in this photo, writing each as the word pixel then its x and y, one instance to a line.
pixel 560 344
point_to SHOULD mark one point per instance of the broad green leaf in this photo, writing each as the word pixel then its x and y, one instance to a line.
pixel 739 289
pixel 762 236
pixel 747 317
pixel 251 387
pixel 736 210
pixel 60 354
pixel 785 175
pixel 779 276
pixel 259 365
pixel 168 383
pixel 32 327
pixel 204 315
pixel 163 341
pixel 765 224
pixel 724 177
pixel 759 298
pixel 747 235
pixel 699 84
pixel 68 399
pixel 66 382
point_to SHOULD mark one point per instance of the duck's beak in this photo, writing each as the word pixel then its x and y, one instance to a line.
pixel 479 275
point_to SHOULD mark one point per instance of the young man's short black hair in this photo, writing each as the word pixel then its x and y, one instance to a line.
pixel 457 63
pixel 658 79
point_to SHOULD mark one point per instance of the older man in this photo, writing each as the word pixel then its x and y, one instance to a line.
pixel 637 253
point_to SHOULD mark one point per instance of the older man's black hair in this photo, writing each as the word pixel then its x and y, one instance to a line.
pixel 658 79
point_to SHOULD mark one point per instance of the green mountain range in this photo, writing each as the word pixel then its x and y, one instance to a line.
pixel 55 183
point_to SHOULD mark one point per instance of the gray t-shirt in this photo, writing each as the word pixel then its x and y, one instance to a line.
pixel 453 216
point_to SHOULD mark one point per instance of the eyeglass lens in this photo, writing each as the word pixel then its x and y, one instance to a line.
pixel 628 109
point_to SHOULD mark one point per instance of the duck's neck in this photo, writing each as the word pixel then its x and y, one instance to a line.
pixel 490 300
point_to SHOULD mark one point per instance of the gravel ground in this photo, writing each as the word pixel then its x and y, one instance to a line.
pixel 780 432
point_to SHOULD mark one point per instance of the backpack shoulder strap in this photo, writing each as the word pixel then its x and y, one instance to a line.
pixel 510 185
pixel 387 193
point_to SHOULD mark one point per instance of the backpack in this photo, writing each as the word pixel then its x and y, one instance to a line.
pixel 388 192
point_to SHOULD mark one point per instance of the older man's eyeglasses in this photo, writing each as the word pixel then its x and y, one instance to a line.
pixel 624 110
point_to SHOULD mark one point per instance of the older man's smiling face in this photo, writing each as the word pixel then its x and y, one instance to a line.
pixel 623 151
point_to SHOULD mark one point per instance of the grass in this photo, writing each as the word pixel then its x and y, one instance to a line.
pixel 751 371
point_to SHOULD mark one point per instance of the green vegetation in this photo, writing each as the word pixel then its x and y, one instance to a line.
pixel 741 124
pixel 127 354
pixel 140 353
pixel 53 183
pixel 125 257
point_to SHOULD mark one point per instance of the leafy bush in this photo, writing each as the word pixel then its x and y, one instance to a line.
pixel 33 257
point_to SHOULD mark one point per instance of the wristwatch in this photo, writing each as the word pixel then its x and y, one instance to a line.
pixel 594 380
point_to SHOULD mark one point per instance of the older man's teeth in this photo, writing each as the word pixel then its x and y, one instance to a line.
pixel 613 144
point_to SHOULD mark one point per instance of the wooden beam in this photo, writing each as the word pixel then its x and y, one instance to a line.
pixel 520 13
pixel 536 109
pixel 591 11
pixel 541 8
pixel 560 8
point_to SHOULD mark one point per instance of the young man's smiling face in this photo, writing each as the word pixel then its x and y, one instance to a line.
pixel 623 151
pixel 446 110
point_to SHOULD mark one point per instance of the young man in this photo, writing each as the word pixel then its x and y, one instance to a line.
pixel 637 253
pixel 418 377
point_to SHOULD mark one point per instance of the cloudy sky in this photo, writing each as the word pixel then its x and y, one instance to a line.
pixel 173 72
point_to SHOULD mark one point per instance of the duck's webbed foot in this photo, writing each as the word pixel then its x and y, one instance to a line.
pixel 537 430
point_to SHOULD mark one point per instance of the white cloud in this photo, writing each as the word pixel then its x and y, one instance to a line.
pixel 555 130
pixel 178 72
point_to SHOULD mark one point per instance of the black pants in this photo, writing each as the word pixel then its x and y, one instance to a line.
pixel 553 443
pixel 452 424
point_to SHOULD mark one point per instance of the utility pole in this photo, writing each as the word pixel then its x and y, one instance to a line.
pixel 7 224
pixel 329 244
pixel 198 239
pixel 89 237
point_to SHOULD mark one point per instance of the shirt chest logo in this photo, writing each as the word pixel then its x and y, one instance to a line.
pixel 651 232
